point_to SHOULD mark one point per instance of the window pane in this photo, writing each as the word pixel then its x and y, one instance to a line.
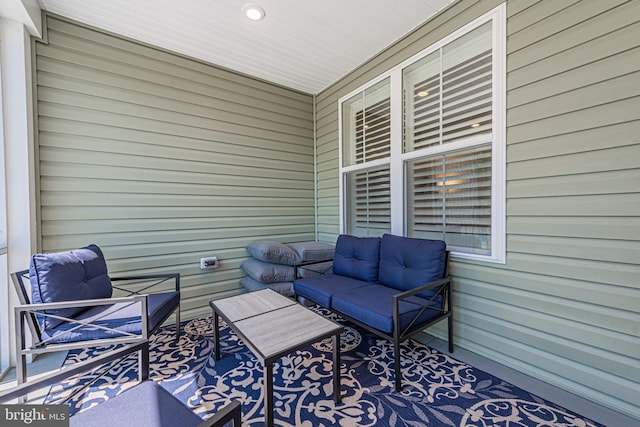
pixel 447 94
pixel 421 82
pixel 367 198
pixel 366 126
pixel 449 198
pixel 466 85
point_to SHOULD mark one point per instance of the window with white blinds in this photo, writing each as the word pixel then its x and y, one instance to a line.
pixel 448 102
pixel 366 129
pixel 449 198
pixel 368 212
pixel 448 94
pixel 366 132
pixel 423 147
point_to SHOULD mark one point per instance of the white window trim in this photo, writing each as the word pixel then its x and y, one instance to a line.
pixel 397 158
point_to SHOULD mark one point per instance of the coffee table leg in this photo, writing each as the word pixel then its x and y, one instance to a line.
pixel 337 397
pixel 268 393
pixel 216 330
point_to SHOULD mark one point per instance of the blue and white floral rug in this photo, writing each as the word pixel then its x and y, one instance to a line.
pixel 438 390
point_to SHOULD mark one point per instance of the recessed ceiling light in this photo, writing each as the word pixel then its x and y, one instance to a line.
pixel 475 125
pixel 423 93
pixel 253 11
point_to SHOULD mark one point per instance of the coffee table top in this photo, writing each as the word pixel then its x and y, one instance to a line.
pixel 272 324
pixel 251 304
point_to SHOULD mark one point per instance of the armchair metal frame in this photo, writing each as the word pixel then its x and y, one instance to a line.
pixel 24 388
pixel 27 311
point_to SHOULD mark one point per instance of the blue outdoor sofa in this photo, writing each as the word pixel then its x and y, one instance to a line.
pixel 392 286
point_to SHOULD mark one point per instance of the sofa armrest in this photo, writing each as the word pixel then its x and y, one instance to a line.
pixel 445 309
pixel 445 283
pixel 160 279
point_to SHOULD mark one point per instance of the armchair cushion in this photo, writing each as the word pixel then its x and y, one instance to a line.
pixel 407 263
pixel 67 276
pixel 125 317
pixel 357 257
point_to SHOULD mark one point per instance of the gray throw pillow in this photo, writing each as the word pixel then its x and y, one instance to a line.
pixel 313 251
pixel 275 252
pixel 267 272
pixel 251 285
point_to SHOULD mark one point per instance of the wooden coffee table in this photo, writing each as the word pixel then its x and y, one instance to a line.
pixel 272 326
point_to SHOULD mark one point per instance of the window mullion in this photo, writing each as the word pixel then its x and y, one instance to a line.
pixel 396 168
pixel 441 100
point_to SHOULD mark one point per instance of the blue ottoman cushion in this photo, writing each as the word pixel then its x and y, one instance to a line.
pixel 145 404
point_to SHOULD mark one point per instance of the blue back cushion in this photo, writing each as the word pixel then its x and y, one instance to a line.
pixel 406 263
pixel 357 257
pixel 67 276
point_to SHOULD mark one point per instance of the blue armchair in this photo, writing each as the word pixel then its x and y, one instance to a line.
pixel 71 305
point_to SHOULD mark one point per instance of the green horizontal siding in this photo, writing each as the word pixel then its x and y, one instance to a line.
pixel 565 307
pixel 161 159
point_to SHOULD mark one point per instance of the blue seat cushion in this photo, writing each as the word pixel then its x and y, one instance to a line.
pixel 320 289
pixel 145 404
pixel 373 306
pixel 357 257
pixel 406 263
pixel 122 316
pixel 68 276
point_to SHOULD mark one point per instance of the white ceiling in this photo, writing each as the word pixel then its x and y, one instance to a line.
pixel 300 44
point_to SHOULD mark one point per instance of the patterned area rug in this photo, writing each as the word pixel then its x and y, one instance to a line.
pixel 438 390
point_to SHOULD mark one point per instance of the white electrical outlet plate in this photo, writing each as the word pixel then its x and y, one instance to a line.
pixel 209 263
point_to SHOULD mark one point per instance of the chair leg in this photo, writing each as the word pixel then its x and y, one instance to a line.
pixel 21 357
pixel 143 363
pixel 21 375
